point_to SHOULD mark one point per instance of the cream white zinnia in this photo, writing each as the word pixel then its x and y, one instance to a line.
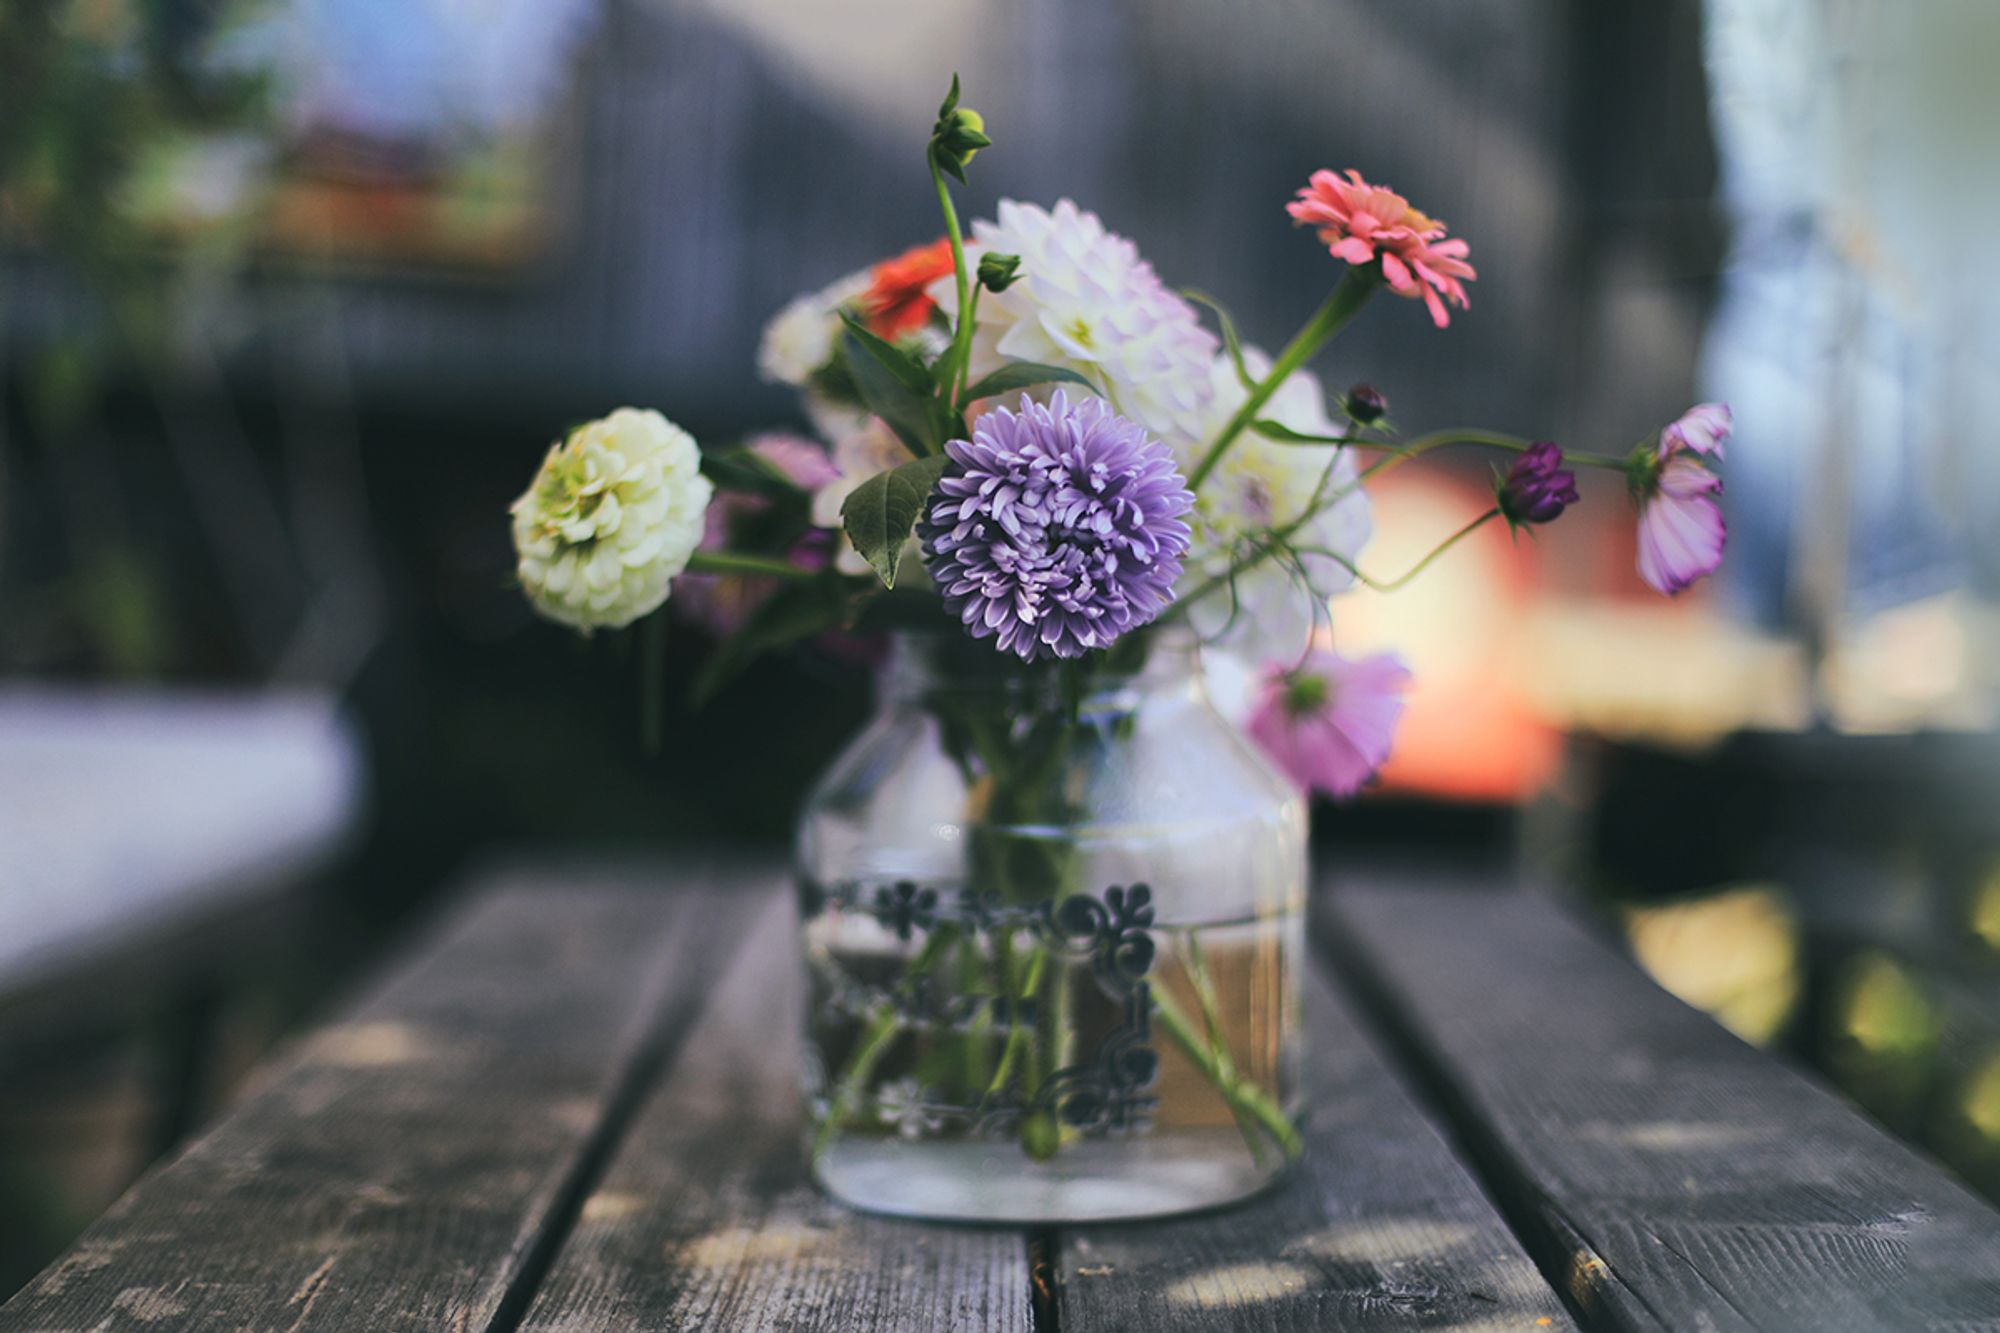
pixel 1260 485
pixel 1086 301
pixel 612 517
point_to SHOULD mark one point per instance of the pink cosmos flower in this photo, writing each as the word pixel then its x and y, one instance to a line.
pixel 1363 223
pixel 1329 723
pixel 1702 428
pixel 1681 529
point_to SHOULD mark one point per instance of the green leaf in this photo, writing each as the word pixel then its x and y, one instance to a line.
pixel 881 513
pixel 950 103
pixel 1283 434
pixel 894 386
pixel 905 413
pixel 738 468
pixel 1229 338
pixel 795 611
pixel 903 365
pixel 1019 375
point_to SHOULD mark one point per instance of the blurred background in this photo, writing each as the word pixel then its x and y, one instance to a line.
pixel 294 294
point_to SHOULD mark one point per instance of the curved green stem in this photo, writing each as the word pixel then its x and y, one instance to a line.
pixel 1345 301
pixel 1397 455
pixel 1390 585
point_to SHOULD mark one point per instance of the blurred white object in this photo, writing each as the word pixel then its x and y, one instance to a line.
pixel 1851 337
pixel 126 812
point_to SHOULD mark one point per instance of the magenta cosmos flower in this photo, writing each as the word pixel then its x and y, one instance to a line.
pixel 1056 529
pixel 1681 530
pixel 1363 223
pixel 1329 723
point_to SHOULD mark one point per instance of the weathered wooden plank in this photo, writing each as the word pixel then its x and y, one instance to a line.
pixel 1677 1177
pixel 1380 1228
pixel 402 1168
pixel 705 1219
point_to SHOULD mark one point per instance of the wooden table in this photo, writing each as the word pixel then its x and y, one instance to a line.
pixel 572 1107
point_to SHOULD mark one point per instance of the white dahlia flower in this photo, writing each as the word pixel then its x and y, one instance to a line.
pixel 1260 485
pixel 1086 301
pixel 800 338
pixel 614 514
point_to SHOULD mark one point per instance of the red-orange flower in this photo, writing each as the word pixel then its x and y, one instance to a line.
pixel 897 302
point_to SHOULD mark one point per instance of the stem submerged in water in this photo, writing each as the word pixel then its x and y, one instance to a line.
pixel 1246 1100
pixel 1022 750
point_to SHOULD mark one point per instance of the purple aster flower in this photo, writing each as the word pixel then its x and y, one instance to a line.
pixel 1537 488
pixel 1057 528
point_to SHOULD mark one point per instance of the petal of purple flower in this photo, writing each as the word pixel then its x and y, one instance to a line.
pixel 1056 529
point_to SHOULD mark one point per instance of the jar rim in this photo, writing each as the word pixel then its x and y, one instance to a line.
pixel 928 660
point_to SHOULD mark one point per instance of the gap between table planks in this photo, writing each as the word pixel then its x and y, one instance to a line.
pixel 705 1218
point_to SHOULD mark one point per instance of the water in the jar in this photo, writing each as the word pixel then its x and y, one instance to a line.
pixel 1079 1061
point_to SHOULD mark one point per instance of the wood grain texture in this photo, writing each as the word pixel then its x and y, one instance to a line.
pixel 401 1167
pixel 706 1219
pixel 1381 1228
pixel 1676 1177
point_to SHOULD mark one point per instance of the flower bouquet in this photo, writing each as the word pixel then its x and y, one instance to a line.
pixel 1052 899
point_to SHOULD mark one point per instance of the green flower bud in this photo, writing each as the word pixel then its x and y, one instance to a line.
pixel 960 133
pixel 998 272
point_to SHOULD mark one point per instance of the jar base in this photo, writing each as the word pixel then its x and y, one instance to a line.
pixel 1091 1181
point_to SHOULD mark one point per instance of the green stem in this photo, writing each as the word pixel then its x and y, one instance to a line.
pixel 1398 454
pixel 1423 444
pixel 875 1044
pixel 961 341
pixel 1340 306
pixel 881 1035
pixel 1211 1017
pixel 1391 585
pixel 729 562
pixel 1244 1098
pixel 1018 1035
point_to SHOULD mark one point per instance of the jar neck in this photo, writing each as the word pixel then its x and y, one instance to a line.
pixel 925 666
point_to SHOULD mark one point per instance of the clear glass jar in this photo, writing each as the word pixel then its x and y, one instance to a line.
pixel 1054 931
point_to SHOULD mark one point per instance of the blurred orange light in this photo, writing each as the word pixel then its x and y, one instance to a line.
pixel 1470 733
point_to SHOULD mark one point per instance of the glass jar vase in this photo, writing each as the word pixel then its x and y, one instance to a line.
pixel 1054 933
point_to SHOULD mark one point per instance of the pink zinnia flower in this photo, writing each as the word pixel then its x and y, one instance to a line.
pixel 1363 223
pixel 1681 530
pixel 1329 723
